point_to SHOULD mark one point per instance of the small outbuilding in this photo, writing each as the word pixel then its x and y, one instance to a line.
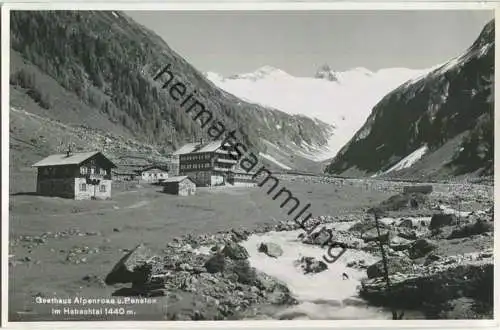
pixel 422 189
pixel 179 185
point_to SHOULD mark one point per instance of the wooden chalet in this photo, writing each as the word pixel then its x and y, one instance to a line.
pixel 79 175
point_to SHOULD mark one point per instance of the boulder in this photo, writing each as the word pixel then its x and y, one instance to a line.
pixel 239 235
pixel 360 264
pixel 271 249
pixel 274 290
pixel 431 258
pixel 235 251
pixel 428 290
pixel 402 201
pixel 135 267
pixel 321 237
pixel 477 228
pixel 394 265
pixel 311 265
pixel 441 220
pixel 216 263
pixel 420 248
pixel 463 308
pixel 407 233
pixel 406 223
pixel 372 235
pixel 365 225
pixel 399 244
pixel 241 271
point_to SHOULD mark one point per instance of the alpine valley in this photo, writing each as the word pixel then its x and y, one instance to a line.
pixel 340 145
pixel 94 81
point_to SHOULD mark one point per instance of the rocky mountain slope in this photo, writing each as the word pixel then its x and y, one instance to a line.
pixel 343 99
pixel 435 126
pixel 95 69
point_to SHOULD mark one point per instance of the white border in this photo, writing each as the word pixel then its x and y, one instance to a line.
pixel 259 5
pixel 5 21
pixel 220 6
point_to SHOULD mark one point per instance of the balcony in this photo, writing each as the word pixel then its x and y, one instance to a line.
pixel 222 169
pixel 226 161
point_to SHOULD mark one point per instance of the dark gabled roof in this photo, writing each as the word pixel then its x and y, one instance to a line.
pixel 152 167
pixel 194 148
pixel 75 158
pixel 178 179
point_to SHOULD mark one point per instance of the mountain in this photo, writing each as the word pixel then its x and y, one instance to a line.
pixel 95 69
pixel 440 125
pixel 343 99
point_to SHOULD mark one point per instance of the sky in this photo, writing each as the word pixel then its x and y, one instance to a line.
pixel 299 42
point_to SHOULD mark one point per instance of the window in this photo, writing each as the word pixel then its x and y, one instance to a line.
pixel 83 187
pixel 102 188
pixel 102 171
pixel 92 170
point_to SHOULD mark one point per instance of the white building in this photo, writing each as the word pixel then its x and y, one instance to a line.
pixel 154 174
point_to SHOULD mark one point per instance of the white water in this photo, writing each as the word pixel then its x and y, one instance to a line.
pixel 448 210
pixel 324 295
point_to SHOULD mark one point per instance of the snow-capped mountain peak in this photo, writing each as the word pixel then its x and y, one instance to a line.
pixel 214 76
pixel 265 72
pixel 326 72
pixel 344 103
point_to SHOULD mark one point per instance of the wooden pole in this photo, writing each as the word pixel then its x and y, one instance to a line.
pixel 386 268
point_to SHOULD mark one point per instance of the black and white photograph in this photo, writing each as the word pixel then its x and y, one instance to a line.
pixel 243 165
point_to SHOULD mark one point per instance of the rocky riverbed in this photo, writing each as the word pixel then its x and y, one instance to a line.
pixel 437 245
pixel 277 271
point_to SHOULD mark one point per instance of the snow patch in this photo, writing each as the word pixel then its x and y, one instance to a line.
pixel 272 159
pixel 409 160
